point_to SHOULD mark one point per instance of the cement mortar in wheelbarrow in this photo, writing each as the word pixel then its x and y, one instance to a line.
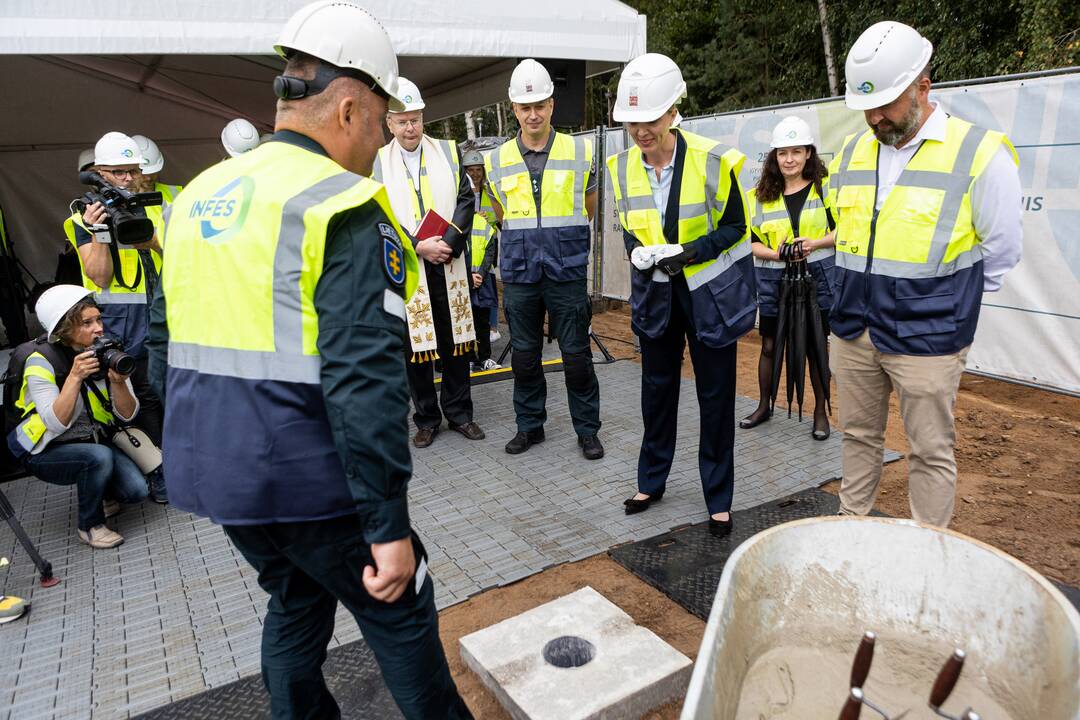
pixel 794 601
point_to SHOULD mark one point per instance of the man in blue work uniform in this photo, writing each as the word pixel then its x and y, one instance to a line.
pixel 286 399
pixel 545 185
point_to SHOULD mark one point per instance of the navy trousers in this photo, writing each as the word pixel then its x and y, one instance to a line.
pixel 714 374
pixel 307 567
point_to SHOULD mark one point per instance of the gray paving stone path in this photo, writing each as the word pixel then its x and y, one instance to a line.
pixel 175 609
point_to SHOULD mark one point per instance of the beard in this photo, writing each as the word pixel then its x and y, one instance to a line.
pixel 894 133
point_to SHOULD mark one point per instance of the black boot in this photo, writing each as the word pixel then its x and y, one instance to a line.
pixel 524 440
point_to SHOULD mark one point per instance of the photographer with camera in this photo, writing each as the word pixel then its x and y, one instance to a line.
pixel 120 257
pixel 74 386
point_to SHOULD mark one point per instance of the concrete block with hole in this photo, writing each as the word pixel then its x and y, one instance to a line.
pixel 576 658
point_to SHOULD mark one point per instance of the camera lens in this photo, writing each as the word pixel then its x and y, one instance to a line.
pixel 120 361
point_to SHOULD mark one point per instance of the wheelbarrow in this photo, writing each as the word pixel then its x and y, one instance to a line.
pixel 794 602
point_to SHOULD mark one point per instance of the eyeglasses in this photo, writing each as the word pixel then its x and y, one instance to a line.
pixel 132 174
pixel 417 123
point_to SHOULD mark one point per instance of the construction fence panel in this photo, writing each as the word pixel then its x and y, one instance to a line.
pixel 1029 331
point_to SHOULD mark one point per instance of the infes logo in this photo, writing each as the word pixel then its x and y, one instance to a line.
pixel 223 213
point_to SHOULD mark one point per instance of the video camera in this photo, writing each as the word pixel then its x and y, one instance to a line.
pixel 124 213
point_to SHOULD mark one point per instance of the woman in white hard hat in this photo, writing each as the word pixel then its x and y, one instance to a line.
pixel 790 206
pixel 684 225
pixel 65 402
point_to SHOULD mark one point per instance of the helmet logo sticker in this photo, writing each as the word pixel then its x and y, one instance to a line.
pixel 791 134
pixel 528 87
pixel 127 152
pixel 866 87
pixel 633 101
pixel 407 98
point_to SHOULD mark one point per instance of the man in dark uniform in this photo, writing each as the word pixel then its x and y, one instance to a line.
pixel 286 403
pixel 545 184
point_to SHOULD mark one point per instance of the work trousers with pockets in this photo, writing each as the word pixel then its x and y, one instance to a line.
pixel 307 568
pixel 926 387
pixel 569 312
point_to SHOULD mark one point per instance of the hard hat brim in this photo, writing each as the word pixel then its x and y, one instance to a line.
pixel 119 161
pixel 527 98
pixel 792 143
pixel 409 107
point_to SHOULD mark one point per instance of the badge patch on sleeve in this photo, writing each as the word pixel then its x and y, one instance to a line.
pixel 393 255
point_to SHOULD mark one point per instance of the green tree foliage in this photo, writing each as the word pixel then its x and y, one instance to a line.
pixel 751 53
pixel 741 54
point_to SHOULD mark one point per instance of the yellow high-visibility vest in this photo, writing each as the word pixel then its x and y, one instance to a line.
pixel 703 194
pixel 245 216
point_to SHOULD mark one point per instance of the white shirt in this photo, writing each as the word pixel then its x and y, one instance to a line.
pixel 996 198
pixel 412 163
pixel 661 189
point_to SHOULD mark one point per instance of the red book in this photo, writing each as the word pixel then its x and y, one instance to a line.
pixel 432 226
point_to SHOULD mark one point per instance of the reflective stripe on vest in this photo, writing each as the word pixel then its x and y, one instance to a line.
pixel 245 213
pixel 562 185
pixel 773 224
pixel 924 228
pixel 168 192
pixel 706 184
pixel 481 234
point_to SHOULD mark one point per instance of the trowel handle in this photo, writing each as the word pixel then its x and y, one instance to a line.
pixel 947 678
pixel 864 656
pixel 853 707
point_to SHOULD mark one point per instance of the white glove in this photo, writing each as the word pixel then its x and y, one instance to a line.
pixel 642 257
pixel 665 251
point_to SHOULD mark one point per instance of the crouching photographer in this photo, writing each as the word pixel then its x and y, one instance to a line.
pixel 64 394
pixel 120 257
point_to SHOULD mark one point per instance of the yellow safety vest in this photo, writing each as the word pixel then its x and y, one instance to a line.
pixel 4 246
pixel 29 434
pixel 482 234
pixel 156 213
pixel 251 248
pixel 773 224
pixel 706 184
pixel 925 228
pixel 130 269
pixel 910 272
pixel 562 187
pixel 449 148
pixel 721 288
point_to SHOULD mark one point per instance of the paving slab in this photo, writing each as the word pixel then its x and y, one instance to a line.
pixel 576 658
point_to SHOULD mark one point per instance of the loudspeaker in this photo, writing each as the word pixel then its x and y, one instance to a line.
pixel 569 79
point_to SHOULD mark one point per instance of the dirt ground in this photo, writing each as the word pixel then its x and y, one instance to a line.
pixel 1018 453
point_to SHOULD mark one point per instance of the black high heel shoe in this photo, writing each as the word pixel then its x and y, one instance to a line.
pixel 821 434
pixel 746 423
pixel 721 528
pixel 632 506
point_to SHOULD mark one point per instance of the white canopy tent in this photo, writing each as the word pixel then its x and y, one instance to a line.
pixel 178 71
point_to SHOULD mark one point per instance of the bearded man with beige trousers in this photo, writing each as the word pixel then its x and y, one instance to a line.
pixel 928 218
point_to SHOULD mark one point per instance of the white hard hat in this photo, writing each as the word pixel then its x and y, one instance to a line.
pixel 882 63
pixel 54 304
pixel 86 159
pixel 471 157
pixel 530 82
pixel 239 136
pixel 649 85
pixel 116 148
pixel 792 131
pixel 152 161
pixel 410 95
pixel 347 36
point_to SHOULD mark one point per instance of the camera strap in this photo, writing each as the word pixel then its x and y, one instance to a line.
pixel 101 430
pixel 118 268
